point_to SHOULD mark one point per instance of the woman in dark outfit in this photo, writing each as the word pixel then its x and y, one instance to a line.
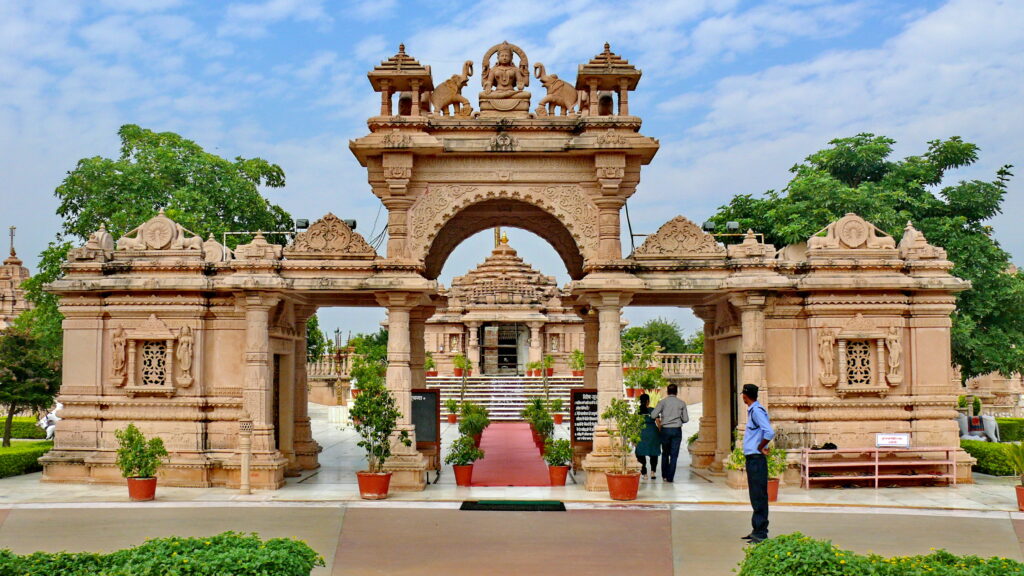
pixel 650 441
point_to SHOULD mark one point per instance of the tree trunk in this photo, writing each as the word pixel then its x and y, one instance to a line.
pixel 7 425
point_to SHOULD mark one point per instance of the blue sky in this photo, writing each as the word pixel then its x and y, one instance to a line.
pixel 736 91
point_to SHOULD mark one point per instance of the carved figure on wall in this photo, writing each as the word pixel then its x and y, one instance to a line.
pixel 560 94
pixel 895 349
pixel 449 93
pixel 184 354
pixel 826 347
pixel 504 83
pixel 119 356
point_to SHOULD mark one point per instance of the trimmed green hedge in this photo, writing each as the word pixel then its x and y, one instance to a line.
pixel 24 428
pixel 1011 429
pixel 991 457
pixel 227 553
pixel 22 458
pixel 799 555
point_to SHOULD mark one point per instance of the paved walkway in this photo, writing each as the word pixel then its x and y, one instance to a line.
pixel 510 457
pixel 387 538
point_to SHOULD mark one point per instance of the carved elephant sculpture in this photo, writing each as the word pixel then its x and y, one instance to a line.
pixel 560 94
pixel 449 93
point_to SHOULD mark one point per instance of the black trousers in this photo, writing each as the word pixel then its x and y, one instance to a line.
pixel 671 439
pixel 643 463
pixel 757 484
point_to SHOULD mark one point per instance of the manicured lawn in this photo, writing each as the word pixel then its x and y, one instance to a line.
pixel 22 458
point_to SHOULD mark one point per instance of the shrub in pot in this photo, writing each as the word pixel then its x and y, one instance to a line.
pixel 532 369
pixel 375 414
pixel 776 468
pixel 547 365
pixel 461 364
pixel 555 407
pixel 736 468
pixel 473 420
pixel 430 365
pixel 577 362
pixel 452 405
pixel 138 460
pixel 627 426
pixel 461 455
pixel 544 425
pixel 558 455
pixel 1015 456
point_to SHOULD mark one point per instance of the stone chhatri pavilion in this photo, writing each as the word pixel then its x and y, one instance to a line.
pixel 846 338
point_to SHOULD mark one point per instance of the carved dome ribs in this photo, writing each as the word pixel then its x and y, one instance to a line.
pixel 506 213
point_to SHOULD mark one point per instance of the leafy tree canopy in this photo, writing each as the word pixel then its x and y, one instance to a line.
pixel 373 347
pixel 666 334
pixel 857 175
pixel 29 376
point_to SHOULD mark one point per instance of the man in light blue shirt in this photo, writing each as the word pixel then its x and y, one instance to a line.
pixel 755 447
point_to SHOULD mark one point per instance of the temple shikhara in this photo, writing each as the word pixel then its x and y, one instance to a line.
pixel 847 335
pixel 12 296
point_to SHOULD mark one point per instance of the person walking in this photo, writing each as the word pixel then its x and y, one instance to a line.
pixel 649 446
pixel 758 433
pixel 672 412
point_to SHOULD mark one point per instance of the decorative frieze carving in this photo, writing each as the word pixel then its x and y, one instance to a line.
pixel 851 236
pixel 160 233
pixel 680 238
pixel 329 237
pixel 914 246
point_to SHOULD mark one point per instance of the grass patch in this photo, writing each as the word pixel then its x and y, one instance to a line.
pixel 22 458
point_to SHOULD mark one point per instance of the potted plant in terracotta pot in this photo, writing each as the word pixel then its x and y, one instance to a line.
pixel 577 362
pixel 452 405
pixel 461 364
pixel 138 460
pixel 555 407
pixel 558 455
pixel 777 464
pixel 461 455
pixel 375 414
pixel 736 468
pixel 547 365
pixel 531 369
pixel 1015 456
pixel 623 484
pixel 544 425
pixel 429 364
pixel 473 420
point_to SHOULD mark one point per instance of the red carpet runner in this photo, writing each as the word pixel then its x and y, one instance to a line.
pixel 510 457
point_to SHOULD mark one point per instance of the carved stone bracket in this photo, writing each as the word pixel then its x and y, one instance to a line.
pixel 679 238
pixel 329 238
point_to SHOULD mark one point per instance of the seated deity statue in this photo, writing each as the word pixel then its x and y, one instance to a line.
pixel 504 82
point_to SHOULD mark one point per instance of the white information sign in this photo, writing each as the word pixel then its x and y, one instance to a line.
pixel 892 440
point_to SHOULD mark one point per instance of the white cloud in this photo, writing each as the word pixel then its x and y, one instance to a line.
pixel 252 19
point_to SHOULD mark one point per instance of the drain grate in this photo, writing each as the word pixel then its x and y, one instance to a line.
pixel 514 505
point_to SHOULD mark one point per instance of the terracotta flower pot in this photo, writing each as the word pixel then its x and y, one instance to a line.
pixel 623 486
pixel 458 371
pixel 1020 497
pixel 551 371
pixel 558 419
pixel 453 418
pixel 373 486
pixel 431 373
pixel 630 392
pixel 355 392
pixel 558 475
pixel 141 489
pixel 773 490
pixel 577 373
pixel 463 475
pixel 477 438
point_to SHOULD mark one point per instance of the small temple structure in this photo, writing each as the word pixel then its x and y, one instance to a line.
pixel 12 297
pixel 503 314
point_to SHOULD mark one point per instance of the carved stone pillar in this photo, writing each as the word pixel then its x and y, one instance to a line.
pixel 306 448
pixel 610 170
pixel 623 97
pixel 473 346
pixel 408 467
pixel 591 330
pixel 752 362
pixel 417 345
pixel 536 345
pixel 703 450
pixel 258 394
pixel 609 385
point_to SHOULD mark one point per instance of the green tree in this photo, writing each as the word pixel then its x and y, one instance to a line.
pixel 664 333
pixel 29 376
pixel 373 346
pixel 203 192
pixel 857 175
pixel 318 343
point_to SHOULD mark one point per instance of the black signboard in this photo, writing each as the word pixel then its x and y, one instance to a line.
pixel 426 415
pixel 583 413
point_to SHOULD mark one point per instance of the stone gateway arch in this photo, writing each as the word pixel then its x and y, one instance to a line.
pixel 847 335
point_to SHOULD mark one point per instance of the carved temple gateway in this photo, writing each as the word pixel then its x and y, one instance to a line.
pixel 846 337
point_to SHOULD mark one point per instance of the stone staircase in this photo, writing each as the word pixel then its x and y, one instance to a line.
pixel 504 396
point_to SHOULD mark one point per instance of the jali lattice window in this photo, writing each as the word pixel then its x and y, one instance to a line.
pixel 154 364
pixel 858 363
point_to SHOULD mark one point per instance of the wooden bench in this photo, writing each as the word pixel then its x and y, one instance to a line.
pixel 877 464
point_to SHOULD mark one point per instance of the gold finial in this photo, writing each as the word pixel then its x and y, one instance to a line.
pixel 504 238
pixel 401 48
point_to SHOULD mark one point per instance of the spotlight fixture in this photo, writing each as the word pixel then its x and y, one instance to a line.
pixel 732 226
pixel 301 224
pixel 351 223
pixel 708 226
